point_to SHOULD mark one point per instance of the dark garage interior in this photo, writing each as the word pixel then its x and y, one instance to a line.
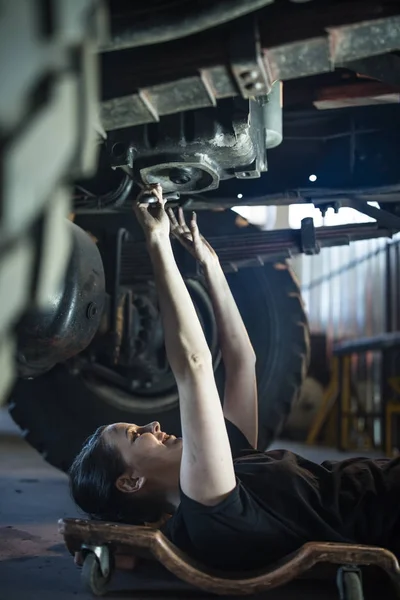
pixel 272 127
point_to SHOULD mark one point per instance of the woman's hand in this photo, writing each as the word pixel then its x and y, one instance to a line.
pixel 191 238
pixel 151 215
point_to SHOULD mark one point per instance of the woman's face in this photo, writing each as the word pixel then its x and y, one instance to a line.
pixel 148 452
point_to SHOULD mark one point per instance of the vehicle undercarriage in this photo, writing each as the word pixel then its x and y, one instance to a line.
pixel 222 112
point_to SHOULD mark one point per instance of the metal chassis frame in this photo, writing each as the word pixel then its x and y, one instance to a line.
pixel 164 79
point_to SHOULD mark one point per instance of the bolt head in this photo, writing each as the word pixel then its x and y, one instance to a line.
pixel 179 176
pixel 91 310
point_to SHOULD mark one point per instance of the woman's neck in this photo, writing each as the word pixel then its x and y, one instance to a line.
pixel 173 497
pixel 167 481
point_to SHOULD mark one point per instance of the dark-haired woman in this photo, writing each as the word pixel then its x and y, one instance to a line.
pixel 232 507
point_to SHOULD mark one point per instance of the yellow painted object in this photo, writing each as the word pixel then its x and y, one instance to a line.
pixel 347 421
pixel 335 416
pixel 392 410
pixel 328 402
pixel 394 383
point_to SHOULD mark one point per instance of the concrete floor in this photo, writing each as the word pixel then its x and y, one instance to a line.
pixel 34 563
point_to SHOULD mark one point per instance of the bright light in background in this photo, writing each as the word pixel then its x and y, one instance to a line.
pixel 297 212
pixel 262 216
pixel 240 196
pixel 313 178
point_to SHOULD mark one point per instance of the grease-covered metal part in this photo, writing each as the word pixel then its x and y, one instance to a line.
pixel 69 320
pixel 194 151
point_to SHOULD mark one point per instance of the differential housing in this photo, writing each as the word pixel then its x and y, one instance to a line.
pixel 193 151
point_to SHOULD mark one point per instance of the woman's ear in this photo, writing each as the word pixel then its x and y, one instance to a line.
pixel 129 484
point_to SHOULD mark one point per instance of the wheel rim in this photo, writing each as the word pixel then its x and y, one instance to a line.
pixel 92 576
pixel 163 395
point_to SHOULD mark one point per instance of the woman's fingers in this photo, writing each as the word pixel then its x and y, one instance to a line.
pixel 181 218
pixel 140 209
pixel 159 195
pixel 148 190
pixel 172 218
pixel 197 240
pixel 193 221
pixel 194 228
pixel 179 228
pixel 144 197
pixel 142 205
pixel 182 221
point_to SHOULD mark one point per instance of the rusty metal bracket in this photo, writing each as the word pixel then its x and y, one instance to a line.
pixel 247 63
pixel 309 244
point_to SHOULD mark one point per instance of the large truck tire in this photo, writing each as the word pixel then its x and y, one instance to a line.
pixel 57 411
pixel 47 108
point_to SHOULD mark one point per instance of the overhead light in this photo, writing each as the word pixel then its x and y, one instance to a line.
pixel 313 178
pixel 240 196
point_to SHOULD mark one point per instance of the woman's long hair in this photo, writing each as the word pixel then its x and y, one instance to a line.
pixel 92 477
